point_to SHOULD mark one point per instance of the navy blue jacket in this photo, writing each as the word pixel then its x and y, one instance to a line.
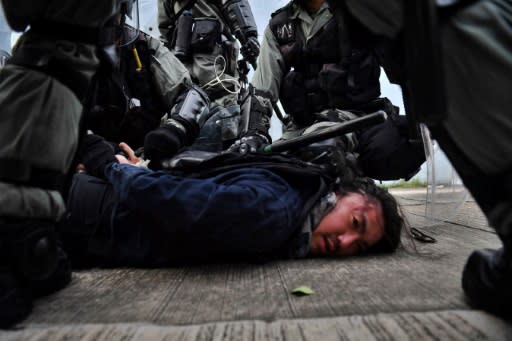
pixel 239 214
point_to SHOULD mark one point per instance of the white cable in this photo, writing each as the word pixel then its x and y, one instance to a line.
pixel 216 80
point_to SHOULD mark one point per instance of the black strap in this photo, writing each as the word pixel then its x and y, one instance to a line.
pixel 101 36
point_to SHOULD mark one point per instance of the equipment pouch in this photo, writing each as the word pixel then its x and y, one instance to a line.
pixel 294 99
pixel 363 76
pixel 333 81
pixel 183 35
pixel 205 35
pixel 231 55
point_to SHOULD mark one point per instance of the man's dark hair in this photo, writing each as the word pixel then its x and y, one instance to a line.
pixel 393 219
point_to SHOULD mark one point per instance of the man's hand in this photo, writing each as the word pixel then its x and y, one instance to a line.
pixel 249 143
pixel 129 155
pixel 251 50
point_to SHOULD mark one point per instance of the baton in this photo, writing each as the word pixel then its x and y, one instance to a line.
pixel 324 134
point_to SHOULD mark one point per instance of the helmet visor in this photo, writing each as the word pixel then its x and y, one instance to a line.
pixel 131 28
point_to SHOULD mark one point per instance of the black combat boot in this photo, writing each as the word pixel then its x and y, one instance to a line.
pixel 180 129
pixel 487 275
pixel 31 265
pixel 15 300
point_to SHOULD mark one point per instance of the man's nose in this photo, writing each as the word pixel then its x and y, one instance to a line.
pixel 348 239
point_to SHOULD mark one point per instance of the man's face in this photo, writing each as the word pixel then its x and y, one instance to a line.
pixel 354 225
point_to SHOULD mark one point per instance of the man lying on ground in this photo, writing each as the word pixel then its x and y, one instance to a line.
pixel 232 207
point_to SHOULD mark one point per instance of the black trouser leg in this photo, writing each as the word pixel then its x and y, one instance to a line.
pixel 32 265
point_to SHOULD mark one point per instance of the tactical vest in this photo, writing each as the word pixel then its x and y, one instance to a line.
pixel 321 74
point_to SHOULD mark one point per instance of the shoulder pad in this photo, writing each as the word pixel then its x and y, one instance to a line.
pixel 282 26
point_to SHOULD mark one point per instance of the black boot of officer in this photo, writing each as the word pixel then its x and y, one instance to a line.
pixel 487 275
pixel 32 265
pixel 180 130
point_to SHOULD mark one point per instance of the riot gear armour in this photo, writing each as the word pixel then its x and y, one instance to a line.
pixel 318 76
pixel 178 129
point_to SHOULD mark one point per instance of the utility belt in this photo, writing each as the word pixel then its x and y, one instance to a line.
pixel 202 35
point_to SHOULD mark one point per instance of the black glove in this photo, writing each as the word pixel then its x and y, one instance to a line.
pixel 249 143
pixel 96 154
pixel 251 50
pixel 163 143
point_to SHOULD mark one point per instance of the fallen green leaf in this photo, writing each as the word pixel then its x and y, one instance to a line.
pixel 303 291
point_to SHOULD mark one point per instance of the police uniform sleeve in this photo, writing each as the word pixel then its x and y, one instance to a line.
pixel 170 75
pixel 270 71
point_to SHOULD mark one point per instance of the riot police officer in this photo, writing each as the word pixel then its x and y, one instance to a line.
pixel 208 36
pixel 315 81
pixel 453 60
pixel 130 100
pixel 148 88
pixel 43 89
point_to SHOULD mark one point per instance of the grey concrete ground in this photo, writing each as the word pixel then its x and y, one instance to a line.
pixel 414 294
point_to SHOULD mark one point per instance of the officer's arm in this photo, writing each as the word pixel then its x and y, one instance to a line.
pixel 383 18
pixel 271 66
pixel 171 77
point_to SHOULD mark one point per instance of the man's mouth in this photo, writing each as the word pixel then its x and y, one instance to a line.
pixel 331 244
